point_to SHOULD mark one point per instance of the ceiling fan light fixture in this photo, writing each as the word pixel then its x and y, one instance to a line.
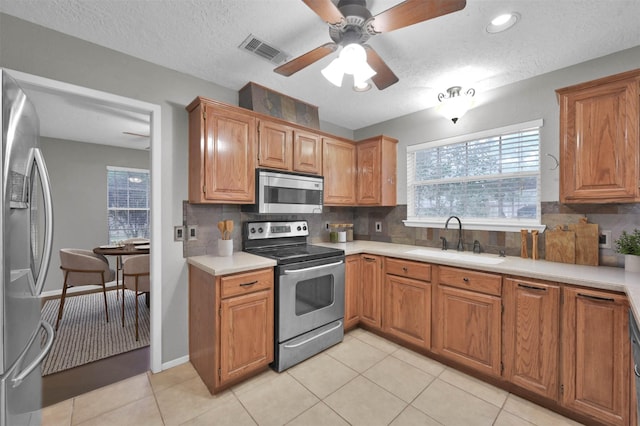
pixel 334 72
pixel 361 86
pixel 503 22
pixel 454 105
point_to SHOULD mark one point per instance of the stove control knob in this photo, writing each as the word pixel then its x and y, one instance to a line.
pixel 299 228
pixel 304 228
pixel 260 230
pixel 252 230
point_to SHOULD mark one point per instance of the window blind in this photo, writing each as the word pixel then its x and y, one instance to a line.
pixel 127 203
pixel 488 178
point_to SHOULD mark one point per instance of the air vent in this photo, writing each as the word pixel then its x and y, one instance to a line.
pixel 263 50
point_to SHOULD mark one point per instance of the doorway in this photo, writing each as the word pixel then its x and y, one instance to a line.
pixel 108 101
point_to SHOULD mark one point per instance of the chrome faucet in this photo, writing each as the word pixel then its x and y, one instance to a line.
pixel 446 226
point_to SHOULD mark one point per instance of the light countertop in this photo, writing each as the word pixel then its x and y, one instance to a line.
pixel 600 277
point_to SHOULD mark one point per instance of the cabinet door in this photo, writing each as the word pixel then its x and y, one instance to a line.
pixel 407 313
pixel 371 291
pixel 352 291
pixel 377 170
pixel 274 142
pixel 599 141
pixel 339 171
pixel 307 152
pixel 468 329
pixel 531 330
pixel 596 354
pixel 229 157
pixel 246 334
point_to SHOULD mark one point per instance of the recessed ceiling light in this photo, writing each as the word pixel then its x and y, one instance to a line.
pixel 503 22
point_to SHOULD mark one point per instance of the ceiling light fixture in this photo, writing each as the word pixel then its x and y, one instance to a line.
pixel 351 60
pixel 503 22
pixel 454 104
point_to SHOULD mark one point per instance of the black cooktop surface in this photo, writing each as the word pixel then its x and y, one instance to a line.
pixel 296 253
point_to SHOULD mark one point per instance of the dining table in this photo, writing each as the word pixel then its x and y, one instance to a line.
pixel 120 250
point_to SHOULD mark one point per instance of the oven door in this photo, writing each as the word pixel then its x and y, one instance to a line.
pixel 309 295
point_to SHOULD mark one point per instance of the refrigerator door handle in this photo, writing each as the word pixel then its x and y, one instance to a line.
pixel 36 158
pixel 17 380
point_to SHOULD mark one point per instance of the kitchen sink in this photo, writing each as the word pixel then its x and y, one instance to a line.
pixel 453 255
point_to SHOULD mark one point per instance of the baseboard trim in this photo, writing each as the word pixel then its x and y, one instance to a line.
pixel 175 362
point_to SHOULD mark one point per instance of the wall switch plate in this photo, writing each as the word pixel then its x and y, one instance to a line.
pixel 192 232
pixel 604 239
pixel 178 233
pixel 378 226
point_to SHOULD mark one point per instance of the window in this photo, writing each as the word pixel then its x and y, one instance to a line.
pixel 127 203
pixel 491 180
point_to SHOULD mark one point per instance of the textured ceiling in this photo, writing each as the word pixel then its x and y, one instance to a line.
pixel 201 38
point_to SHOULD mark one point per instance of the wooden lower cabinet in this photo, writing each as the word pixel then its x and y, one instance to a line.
pixel 231 322
pixel 371 291
pixel 352 291
pixel 596 355
pixel 468 327
pixel 531 335
pixel 407 310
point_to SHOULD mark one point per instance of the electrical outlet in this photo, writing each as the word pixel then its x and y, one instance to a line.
pixel 604 239
pixel 178 233
pixel 378 226
pixel 192 232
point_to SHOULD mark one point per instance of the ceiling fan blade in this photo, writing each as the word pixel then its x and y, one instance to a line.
pixel 326 10
pixel 411 12
pixel 302 61
pixel 384 76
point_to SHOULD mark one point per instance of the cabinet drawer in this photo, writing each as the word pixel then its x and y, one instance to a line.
pixel 248 282
pixel 471 280
pixel 407 268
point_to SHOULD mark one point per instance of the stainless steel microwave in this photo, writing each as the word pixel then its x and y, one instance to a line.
pixel 286 192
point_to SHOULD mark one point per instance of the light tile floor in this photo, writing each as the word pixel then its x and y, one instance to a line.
pixel 365 380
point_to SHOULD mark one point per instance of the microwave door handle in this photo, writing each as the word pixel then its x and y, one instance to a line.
pixel 313 268
pixel 36 159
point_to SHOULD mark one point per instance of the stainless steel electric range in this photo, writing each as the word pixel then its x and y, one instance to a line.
pixel 309 289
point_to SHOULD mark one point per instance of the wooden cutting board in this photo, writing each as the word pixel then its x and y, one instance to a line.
pixel 587 248
pixel 560 246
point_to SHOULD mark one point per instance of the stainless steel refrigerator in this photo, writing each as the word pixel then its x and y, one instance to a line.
pixel 26 218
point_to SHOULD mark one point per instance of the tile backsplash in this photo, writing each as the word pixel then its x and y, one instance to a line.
pixel 612 217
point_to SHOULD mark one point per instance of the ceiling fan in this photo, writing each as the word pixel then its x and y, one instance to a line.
pixel 350 22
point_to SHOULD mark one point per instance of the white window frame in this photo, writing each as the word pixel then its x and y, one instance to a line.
pixel 148 208
pixel 485 224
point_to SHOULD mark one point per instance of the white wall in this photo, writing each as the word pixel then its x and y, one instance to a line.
pixel 519 102
pixel 78 174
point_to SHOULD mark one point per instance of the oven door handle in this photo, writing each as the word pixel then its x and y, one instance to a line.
pixel 304 342
pixel 313 268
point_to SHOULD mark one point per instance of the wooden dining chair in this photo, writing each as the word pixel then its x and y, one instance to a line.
pixel 83 267
pixel 135 276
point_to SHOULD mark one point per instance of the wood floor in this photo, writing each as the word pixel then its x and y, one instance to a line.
pixel 85 378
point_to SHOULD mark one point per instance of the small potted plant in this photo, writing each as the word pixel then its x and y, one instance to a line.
pixel 629 245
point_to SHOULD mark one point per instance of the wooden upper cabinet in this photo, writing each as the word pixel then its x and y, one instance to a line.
pixel 599 141
pixel 222 164
pixel 531 335
pixel 377 170
pixel 307 152
pixel 274 145
pixel 596 354
pixel 339 171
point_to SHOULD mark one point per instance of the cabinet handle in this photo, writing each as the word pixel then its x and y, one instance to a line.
pixel 465 279
pixel 531 287
pixel 635 370
pixel 599 298
pixel 248 284
pixel 405 269
pixel 369 259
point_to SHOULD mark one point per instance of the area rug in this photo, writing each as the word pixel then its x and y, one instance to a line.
pixel 84 336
